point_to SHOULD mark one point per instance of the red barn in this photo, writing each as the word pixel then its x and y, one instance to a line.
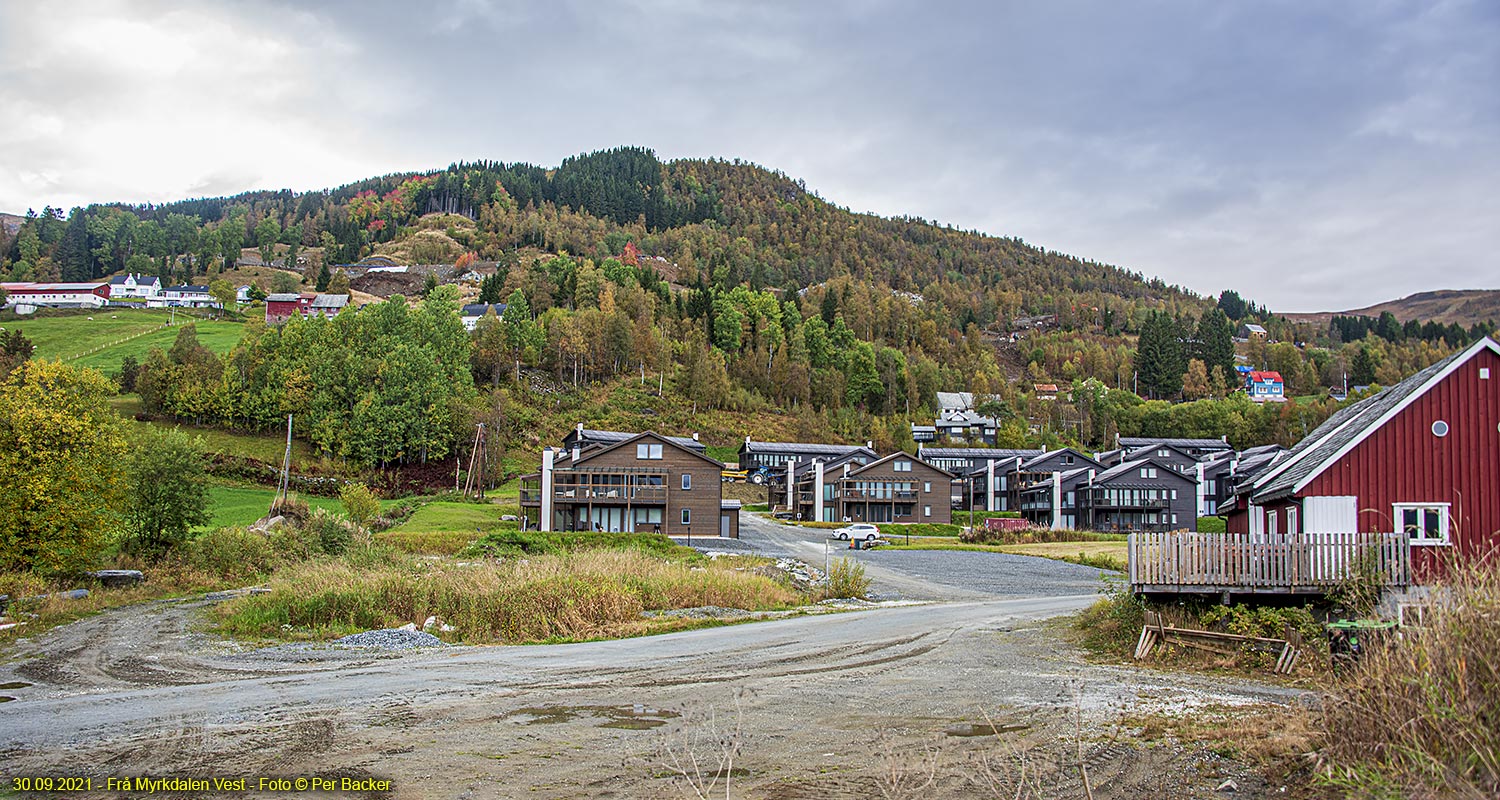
pixel 1421 458
pixel 283 306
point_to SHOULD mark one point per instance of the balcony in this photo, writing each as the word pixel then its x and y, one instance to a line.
pixel 1127 505
pixel 858 494
pixel 610 494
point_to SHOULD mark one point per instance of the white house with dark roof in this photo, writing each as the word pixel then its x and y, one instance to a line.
pixel 132 286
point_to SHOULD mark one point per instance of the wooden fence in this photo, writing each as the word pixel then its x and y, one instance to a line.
pixel 1283 563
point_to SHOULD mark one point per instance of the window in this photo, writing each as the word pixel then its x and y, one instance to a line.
pixel 1439 429
pixel 926 486
pixel 1148 472
pixel 1424 523
pixel 926 511
pixel 648 451
pixel 687 516
pixel 1270 522
pixel 902 466
pixel 1162 453
pixel 1291 520
pixel 1174 494
pixel 687 481
pixel 1067 459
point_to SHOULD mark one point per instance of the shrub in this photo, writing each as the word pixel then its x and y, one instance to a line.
pixel 1034 535
pixel 1112 624
pixel 328 531
pixel 231 553
pixel 516 542
pixel 846 579
pixel 1422 718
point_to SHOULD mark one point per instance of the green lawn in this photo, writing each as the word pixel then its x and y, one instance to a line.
pixel 267 447
pixel 442 516
pixel 69 337
pixel 238 505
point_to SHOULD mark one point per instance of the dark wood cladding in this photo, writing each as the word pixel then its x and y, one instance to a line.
pixel 931 487
pixel 1404 462
pixel 702 500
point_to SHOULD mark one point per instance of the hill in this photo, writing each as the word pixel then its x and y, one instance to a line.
pixel 1447 306
pixel 11 223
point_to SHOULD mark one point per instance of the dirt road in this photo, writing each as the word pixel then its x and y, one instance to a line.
pixel 861 704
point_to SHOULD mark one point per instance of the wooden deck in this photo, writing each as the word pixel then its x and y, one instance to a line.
pixel 1231 563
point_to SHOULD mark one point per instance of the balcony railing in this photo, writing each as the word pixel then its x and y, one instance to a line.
pixel 610 494
pixel 861 494
pixel 1277 563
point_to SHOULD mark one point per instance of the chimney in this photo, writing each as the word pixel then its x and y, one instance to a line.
pixel 579 428
pixel 747 440
pixel 869 445
pixel 695 436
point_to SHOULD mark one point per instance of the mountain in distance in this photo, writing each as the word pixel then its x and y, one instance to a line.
pixel 1463 306
pixel 11 223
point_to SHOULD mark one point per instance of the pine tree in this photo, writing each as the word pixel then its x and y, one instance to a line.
pixel 324 276
pixel 1214 342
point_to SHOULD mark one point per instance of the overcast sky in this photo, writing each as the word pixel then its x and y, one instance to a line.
pixel 1314 156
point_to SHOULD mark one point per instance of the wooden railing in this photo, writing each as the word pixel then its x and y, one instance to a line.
pixel 1272 563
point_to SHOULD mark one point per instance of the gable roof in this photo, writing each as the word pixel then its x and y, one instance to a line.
pixel 480 309
pixel 975 453
pixel 1265 375
pixel 1037 459
pixel 801 467
pixel 798 448
pixel 1138 442
pixel 1131 469
pixel 955 400
pixel 1353 424
pixel 330 301
pixel 632 439
pixel 896 455
pixel 284 297
pixel 612 438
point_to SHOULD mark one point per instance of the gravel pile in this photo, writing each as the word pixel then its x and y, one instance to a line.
pixel 391 639
pixel 698 612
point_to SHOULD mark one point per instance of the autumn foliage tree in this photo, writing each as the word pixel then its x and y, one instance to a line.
pixel 60 486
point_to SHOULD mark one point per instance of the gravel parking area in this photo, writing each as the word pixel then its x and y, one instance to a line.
pixel 999 574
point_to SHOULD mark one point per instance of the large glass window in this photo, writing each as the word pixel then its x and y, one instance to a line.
pixel 646 451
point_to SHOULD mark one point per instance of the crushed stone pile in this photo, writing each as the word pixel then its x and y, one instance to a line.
pixel 698 612
pixel 391 639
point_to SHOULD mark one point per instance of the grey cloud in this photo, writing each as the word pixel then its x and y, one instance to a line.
pixel 1305 154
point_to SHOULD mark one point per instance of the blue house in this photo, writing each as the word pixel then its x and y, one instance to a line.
pixel 1265 386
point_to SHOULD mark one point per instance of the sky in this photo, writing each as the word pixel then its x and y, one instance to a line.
pixel 1312 156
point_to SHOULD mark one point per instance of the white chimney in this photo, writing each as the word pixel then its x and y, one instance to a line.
pixel 579 428
pixel 695 436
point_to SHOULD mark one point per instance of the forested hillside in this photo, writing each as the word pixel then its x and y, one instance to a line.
pixel 735 286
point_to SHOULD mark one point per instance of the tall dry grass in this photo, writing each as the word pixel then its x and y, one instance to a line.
pixel 1422 718
pixel 574 596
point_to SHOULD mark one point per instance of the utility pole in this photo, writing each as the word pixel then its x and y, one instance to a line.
pixel 284 484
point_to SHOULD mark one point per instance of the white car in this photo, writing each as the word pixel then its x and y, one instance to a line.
pixel 859 530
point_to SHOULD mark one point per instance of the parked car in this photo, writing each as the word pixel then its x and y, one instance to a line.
pixel 859 530
pixel 783 515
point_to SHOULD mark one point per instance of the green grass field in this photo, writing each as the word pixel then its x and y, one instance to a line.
pixel 237 505
pixel 69 337
pixel 267 447
pixel 444 528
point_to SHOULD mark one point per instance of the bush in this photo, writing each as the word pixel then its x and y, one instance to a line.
pixel 1112 624
pixel 329 532
pixel 231 553
pixel 1034 535
pixel 1422 718
pixel 846 579
pixel 515 542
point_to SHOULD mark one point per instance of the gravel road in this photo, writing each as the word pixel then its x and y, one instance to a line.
pixel 831 706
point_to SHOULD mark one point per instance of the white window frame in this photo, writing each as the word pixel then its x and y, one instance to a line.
pixel 1271 521
pixel 1446 533
pixel 687 516
pixel 687 481
pixel 901 466
pixel 648 451
pixel 926 486
pixel 926 511
pixel 1291 519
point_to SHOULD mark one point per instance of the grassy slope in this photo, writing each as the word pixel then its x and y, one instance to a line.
pixel 70 336
pixel 239 505
pixel 1115 552
pixel 268 447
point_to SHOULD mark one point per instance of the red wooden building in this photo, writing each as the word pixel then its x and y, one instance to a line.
pixel 1421 459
